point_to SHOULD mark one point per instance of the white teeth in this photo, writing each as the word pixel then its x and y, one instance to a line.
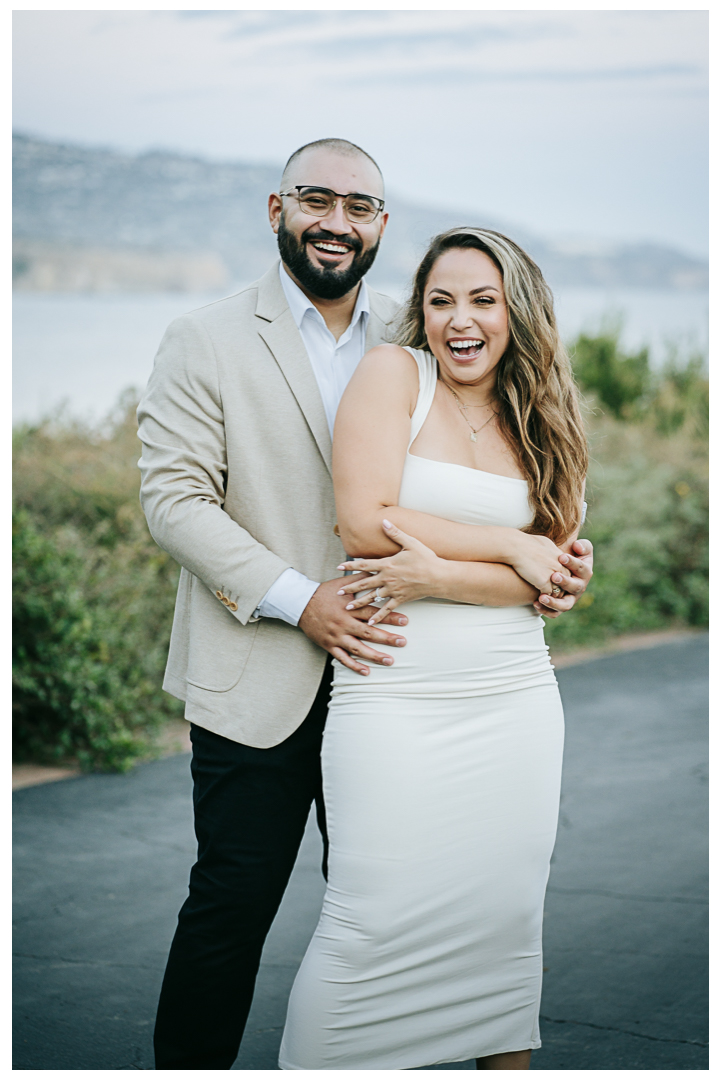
pixel 464 344
pixel 335 248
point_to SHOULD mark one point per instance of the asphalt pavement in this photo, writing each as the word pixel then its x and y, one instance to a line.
pixel 101 867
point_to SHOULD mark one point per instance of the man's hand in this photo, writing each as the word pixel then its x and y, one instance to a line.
pixel 573 584
pixel 343 633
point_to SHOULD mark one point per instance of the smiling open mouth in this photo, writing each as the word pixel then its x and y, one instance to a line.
pixel 465 348
pixel 329 248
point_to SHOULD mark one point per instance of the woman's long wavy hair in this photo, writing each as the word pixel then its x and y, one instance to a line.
pixel 539 413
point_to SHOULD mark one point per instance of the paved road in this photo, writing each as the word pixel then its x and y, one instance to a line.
pixel 102 863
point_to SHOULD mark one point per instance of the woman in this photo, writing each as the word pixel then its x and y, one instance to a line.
pixel 442 772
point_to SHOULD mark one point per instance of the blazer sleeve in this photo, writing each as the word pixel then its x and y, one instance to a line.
pixel 184 472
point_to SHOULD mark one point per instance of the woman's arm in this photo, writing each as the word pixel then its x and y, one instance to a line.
pixel 416 572
pixel 372 432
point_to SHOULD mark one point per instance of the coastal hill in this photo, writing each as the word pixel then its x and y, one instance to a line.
pixel 87 219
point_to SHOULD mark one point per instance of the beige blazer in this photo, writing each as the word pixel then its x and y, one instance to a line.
pixel 237 486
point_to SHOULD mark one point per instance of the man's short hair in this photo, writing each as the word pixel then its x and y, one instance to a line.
pixel 337 146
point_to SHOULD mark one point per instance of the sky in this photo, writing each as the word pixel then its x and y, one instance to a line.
pixel 572 124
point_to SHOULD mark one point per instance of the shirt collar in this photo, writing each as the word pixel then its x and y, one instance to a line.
pixel 300 305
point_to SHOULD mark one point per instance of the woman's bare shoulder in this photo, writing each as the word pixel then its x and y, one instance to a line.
pixel 389 352
pixel 388 376
pixel 390 361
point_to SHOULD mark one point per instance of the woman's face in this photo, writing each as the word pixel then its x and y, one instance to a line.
pixel 466 319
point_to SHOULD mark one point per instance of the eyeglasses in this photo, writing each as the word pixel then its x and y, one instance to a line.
pixel 320 201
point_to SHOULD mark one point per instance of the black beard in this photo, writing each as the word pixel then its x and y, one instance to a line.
pixel 325 283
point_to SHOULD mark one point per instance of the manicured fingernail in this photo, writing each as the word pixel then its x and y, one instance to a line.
pixel 399 640
pixel 341 592
pixel 557 577
pixel 402 621
pixel 348 607
pixel 562 559
pixel 387 524
pixel 371 622
pixel 387 661
pixel 543 599
pixel 341 567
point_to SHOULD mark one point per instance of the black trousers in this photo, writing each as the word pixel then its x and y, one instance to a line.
pixel 251 807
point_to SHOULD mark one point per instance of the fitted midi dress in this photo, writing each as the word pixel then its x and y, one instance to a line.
pixel 442 783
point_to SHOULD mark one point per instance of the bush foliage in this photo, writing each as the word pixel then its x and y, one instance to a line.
pixel 647 492
pixel 93 595
pixel 92 598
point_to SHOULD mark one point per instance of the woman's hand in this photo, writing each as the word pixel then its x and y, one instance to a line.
pixel 536 559
pixel 411 574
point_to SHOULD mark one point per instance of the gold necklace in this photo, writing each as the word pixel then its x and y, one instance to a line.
pixel 474 432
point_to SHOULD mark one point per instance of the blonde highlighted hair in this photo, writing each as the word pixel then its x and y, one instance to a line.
pixel 539 413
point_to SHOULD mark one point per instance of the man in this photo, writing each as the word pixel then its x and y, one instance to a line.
pixel 236 427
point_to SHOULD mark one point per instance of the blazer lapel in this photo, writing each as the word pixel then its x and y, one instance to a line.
pixel 379 330
pixel 376 330
pixel 282 337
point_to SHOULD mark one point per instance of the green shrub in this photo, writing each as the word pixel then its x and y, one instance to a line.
pixel 92 600
pixel 619 380
pixel 681 397
pixel 68 700
pixel 68 473
pixel 648 500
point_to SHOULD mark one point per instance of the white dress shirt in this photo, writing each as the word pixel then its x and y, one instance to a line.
pixel 333 363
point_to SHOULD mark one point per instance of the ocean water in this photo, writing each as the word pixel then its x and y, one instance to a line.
pixel 83 351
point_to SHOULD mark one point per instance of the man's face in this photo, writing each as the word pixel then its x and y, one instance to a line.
pixel 328 256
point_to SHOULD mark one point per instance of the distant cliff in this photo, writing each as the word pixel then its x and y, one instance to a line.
pixel 87 219
pixel 52 266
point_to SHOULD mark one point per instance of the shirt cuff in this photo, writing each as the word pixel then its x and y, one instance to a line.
pixel 287 597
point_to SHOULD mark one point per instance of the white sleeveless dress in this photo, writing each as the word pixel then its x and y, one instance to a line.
pixel 442 783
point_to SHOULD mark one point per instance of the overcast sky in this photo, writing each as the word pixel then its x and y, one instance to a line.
pixel 570 123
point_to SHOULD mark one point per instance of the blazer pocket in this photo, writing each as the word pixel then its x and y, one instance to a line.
pixel 219 644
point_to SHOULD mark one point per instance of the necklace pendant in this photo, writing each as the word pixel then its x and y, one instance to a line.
pixel 473 436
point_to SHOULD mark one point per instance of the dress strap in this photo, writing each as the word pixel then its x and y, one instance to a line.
pixel 427 370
